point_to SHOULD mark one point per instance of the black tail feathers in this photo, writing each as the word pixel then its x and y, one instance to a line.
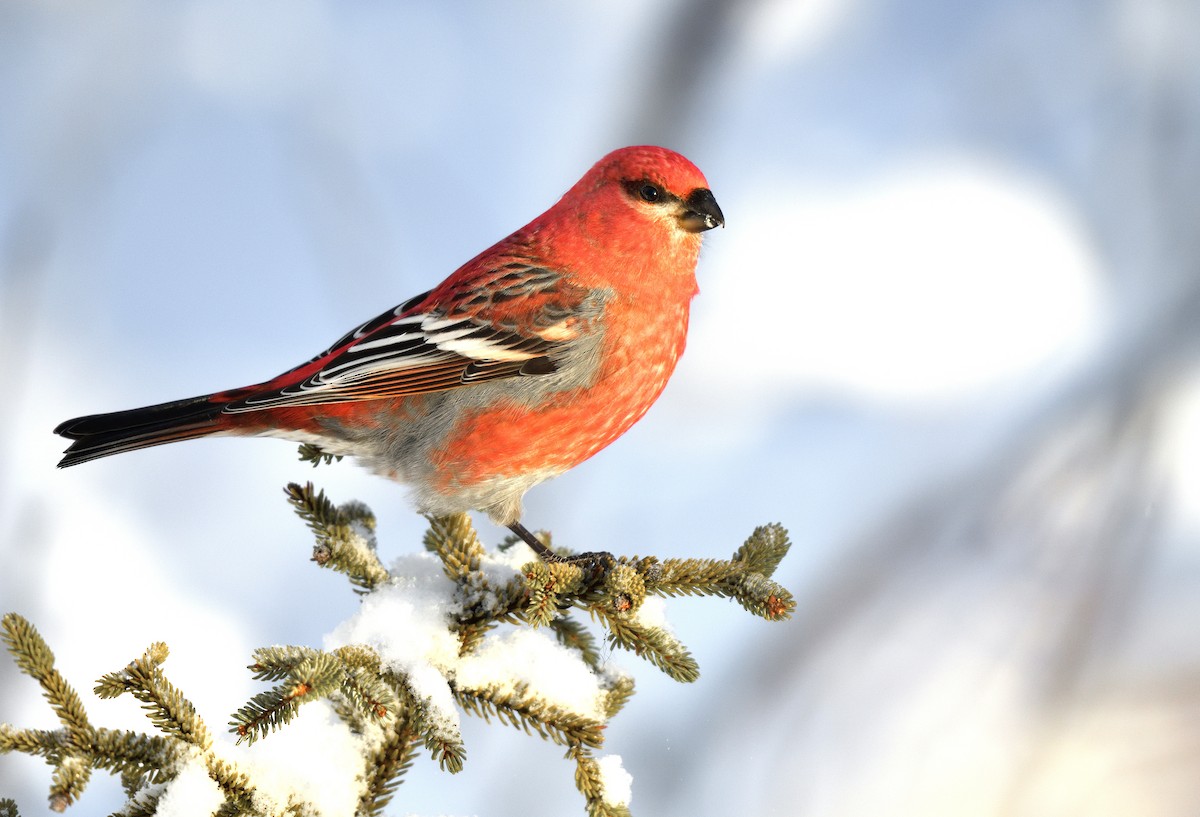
pixel 99 435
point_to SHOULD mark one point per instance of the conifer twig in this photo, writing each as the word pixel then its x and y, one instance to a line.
pixel 34 658
pixel 523 709
pixel 345 535
pixel 315 455
pixel 385 765
pixel 165 705
pixel 372 691
pixel 591 786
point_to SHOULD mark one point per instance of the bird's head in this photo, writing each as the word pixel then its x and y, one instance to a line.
pixel 655 185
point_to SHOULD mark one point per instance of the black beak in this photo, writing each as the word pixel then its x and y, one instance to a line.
pixel 701 212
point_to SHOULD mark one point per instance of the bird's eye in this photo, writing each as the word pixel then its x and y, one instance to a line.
pixel 646 190
pixel 650 192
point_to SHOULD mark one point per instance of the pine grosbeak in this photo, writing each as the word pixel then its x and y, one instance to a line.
pixel 527 360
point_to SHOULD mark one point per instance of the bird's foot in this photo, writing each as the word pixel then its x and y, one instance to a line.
pixel 597 562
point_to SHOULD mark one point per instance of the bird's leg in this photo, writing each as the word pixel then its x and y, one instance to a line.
pixel 544 553
pixel 596 561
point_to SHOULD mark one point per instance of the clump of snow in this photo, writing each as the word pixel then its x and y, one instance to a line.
pixel 653 613
pixel 192 793
pixel 555 673
pixel 498 569
pixel 515 557
pixel 361 537
pixel 406 623
pixel 616 783
pixel 319 762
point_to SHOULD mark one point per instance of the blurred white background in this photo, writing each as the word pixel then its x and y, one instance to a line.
pixel 949 338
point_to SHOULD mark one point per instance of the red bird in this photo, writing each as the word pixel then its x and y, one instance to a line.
pixel 527 360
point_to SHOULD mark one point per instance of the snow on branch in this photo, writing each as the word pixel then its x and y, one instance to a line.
pixel 455 629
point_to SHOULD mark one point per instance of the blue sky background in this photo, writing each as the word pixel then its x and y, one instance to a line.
pixel 948 338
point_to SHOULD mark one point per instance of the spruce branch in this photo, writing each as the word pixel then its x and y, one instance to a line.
pixel 483 605
pixel 140 760
pixel 440 737
pixel 624 590
pixel 368 693
pixel 745 577
pixel 234 783
pixel 165 705
pixel 471 635
pixel 68 751
pixel 267 711
pixel 372 692
pixel 144 804
pixel 34 658
pixel 354 670
pixel 550 587
pixel 33 742
pixel 78 748
pixel 68 780
pixel 227 809
pixel 764 549
pixel 655 644
pixel 386 764
pixel 448 750
pixel 574 635
pixel 619 689
pixel 313 677
pixel 455 542
pixel 316 455
pixel 591 785
pixel 523 709
pixel 276 663
pixel 345 535
pixel 762 596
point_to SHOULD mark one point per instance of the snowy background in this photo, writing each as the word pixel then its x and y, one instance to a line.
pixel 950 338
